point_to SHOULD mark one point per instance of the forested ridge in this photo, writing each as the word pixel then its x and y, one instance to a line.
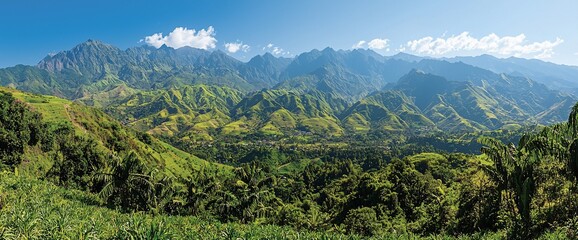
pixel 519 191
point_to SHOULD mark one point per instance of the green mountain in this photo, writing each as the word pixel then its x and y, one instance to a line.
pixel 278 112
pixel 347 74
pixel 530 96
pixel 32 79
pixel 457 103
pixel 264 70
pixel 189 112
pixel 201 112
pixel 195 94
pixel 434 102
pixel 388 110
pixel 95 132
pixel 559 77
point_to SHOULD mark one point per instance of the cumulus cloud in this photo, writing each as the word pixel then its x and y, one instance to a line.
pixel 378 43
pixel 375 44
pixel 492 43
pixel 237 46
pixel 181 37
pixel 276 50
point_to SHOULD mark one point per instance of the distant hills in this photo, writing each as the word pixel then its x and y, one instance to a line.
pixel 196 94
pixel 560 77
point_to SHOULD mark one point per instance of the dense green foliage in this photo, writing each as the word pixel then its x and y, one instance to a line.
pixel 19 127
pixel 519 191
pixel 56 213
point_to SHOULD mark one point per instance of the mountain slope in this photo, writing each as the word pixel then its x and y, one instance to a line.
pixel 109 136
pixel 387 110
pixel 93 66
pixel 560 77
pixel 197 94
pixel 480 103
pixel 189 112
pixel 264 71
pixel 279 112
pixel 32 79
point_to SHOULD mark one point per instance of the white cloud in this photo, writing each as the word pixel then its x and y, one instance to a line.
pixel 378 43
pixel 492 43
pixel 375 44
pixel 181 37
pixel 237 46
pixel 276 50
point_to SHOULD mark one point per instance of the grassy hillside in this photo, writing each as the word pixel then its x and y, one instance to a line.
pixel 111 138
pixel 189 112
pixel 387 110
pixel 282 112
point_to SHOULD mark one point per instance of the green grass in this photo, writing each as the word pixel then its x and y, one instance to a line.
pixel 53 109
pixel 357 123
pixel 512 127
pixel 104 98
pixel 270 129
pixel 180 163
pixel 326 125
pixel 297 166
pixel 34 209
pixel 426 157
pixel 236 128
pixel 96 124
pixel 282 118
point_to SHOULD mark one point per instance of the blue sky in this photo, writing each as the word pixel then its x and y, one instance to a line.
pixel 547 30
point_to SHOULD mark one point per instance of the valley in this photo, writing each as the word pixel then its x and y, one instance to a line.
pixel 327 144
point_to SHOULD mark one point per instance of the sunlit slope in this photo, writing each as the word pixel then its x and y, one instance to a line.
pixel 112 137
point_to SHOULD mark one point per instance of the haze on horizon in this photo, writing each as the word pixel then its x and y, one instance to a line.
pixel 244 29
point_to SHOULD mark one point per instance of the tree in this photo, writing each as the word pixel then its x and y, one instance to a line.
pixel 513 171
pixel 19 127
pixel 77 160
pixel 362 221
pixel 478 204
pixel 126 185
pixel 255 193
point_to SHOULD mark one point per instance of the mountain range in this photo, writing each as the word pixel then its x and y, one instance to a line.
pixel 197 94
